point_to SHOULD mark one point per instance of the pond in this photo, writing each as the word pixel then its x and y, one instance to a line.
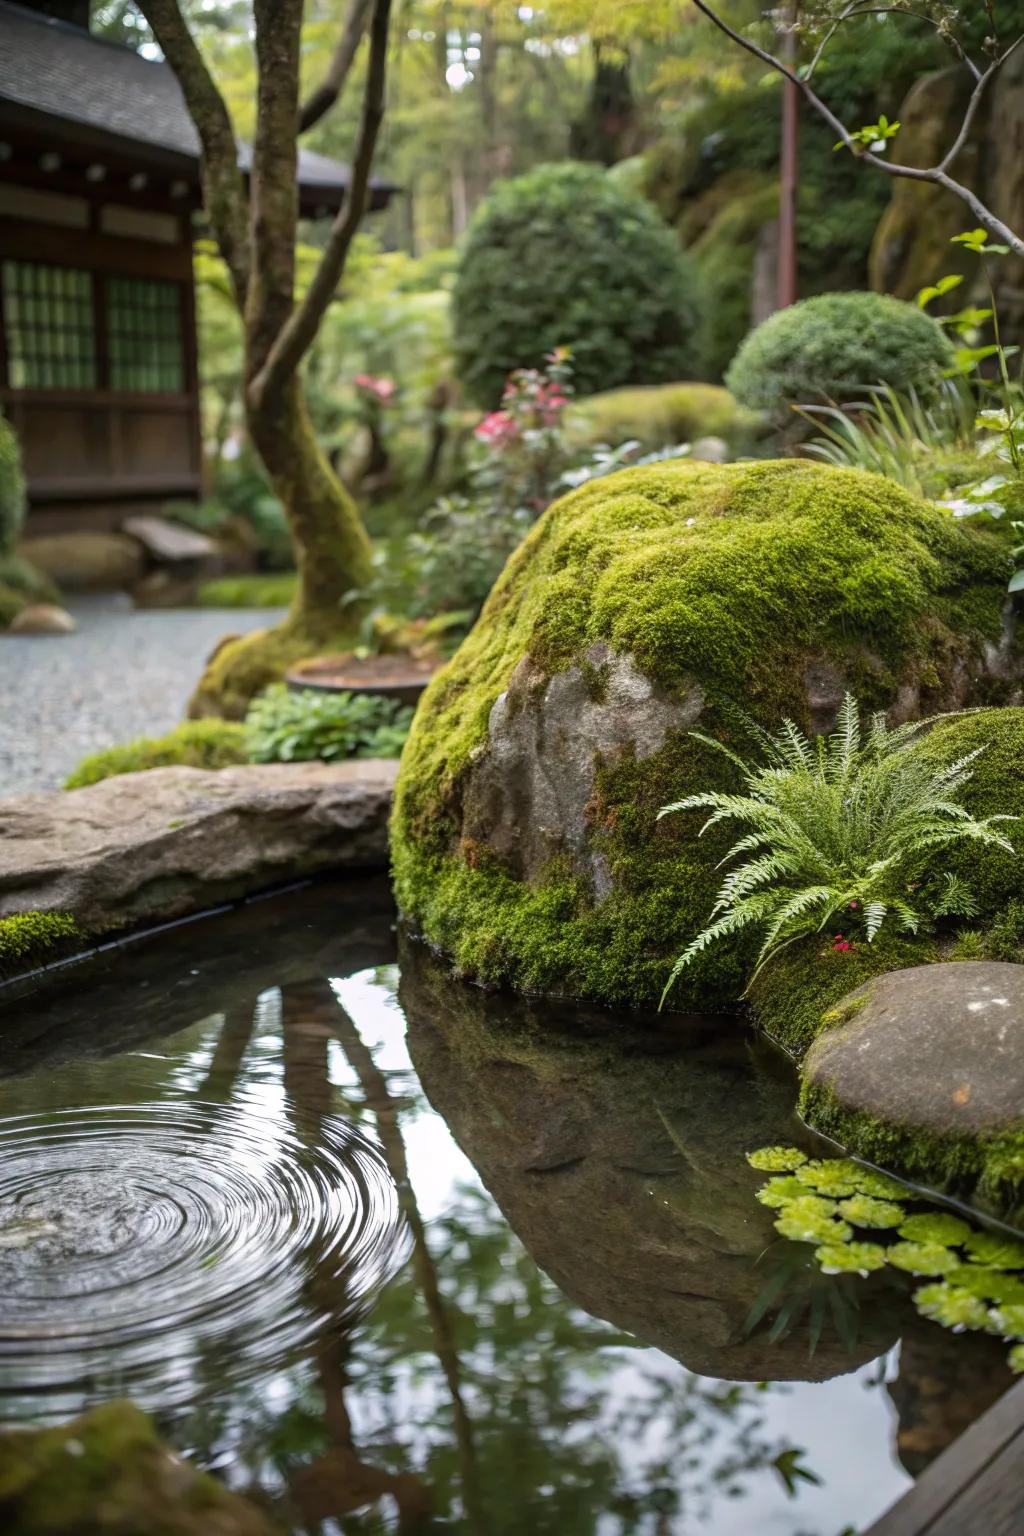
pixel 388 1253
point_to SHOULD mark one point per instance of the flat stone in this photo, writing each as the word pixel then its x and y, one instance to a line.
pixel 925 1071
pixel 167 541
pixel 145 847
pixel 42 619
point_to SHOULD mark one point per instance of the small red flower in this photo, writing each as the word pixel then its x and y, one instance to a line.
pixel 840 944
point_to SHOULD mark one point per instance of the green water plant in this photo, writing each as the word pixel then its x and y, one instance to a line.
pixel 975 1275
pixel 838 830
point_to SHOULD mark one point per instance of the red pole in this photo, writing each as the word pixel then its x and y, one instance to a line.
pixel 788 171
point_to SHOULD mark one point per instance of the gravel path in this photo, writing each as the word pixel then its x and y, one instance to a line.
pixel 124 674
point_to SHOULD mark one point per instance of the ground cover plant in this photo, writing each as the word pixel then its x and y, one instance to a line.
pixel 839 832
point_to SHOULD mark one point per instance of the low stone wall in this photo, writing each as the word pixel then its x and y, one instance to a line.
pixel 146 847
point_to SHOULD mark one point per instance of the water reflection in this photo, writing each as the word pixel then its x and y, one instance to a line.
pixel 503 1380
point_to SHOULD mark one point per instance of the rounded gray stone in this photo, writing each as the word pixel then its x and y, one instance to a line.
pixel 936 1048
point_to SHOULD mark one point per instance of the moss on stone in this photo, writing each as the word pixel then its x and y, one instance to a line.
pixel 194 744
pixel 108 1473
pixel 990 1168
pixel 29 939
pixel 733 577
pixel 807 988
pixel 243 665
pixel 996 789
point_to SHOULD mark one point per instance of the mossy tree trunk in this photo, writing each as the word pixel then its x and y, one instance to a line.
pixel 255 226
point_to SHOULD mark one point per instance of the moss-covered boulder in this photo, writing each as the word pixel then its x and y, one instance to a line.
pixel 921 1071
pixel 108 1473
pixel 525 836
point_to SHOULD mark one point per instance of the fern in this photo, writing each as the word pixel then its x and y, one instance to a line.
pixel 837 828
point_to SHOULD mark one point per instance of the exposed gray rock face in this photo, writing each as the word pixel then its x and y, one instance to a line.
pixel 527 796
pixel 925 1068
pixel 161 844
pixel 617 1153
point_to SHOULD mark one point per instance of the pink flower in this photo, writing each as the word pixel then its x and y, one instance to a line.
pixel 496 429
pixel 854 905
pixel 381 389
pixel 839 943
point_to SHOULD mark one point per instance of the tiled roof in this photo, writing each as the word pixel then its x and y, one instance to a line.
pixel 64 72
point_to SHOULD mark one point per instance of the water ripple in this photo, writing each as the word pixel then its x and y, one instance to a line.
pixel 155 1248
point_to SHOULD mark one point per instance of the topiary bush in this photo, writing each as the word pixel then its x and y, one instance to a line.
pixel 563 257
pixel 195 744
pixel 662 415
pixel 836 347
pixel 525 836
pixel 12 488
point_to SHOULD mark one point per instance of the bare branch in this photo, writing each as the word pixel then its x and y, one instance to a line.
pixel 972 106
pixel 223 184
pixel 298 333
pixel 320 101
pixel 937 175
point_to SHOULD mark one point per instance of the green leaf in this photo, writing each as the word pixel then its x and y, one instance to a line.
pixel 831 1176
pixel 952 1308
pixel 850 1258
pixel 778 1192
pixel 864 1211
pixel 997 1252
pixel 936 1227
pixel 936 290
pixel 923 1258
pixel 776 1159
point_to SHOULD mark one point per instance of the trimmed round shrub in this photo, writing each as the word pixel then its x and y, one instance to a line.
pixel 835 347
pixel 525 837
pixel 564 257
pixel 12 488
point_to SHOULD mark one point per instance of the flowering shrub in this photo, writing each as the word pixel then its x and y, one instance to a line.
pixel 524 439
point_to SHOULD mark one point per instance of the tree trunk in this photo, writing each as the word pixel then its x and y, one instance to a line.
pixel 332 550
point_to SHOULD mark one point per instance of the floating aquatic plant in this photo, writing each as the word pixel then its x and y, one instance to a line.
pixel 850 1258
pixel 866 1211
pixel 923 1258
pixel 993 1249
pixel 951 1307
pixel 1009 1320
pixel 781 1190
pixel 979 1274
pixel 936 1227
pixel 776 1159
pixel 834 1176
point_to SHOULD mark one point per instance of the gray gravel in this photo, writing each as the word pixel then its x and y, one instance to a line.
pixel 124 674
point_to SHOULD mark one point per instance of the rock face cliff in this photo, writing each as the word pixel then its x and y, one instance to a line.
pixel 525 838
pixel 912 242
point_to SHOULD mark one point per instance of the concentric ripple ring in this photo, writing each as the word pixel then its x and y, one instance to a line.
pixel 150 1249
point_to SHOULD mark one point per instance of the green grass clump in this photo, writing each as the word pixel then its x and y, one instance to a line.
pixel 29 938
pixel 194 744
pixel 274 590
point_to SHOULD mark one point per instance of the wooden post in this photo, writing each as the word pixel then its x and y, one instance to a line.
pixel 788 170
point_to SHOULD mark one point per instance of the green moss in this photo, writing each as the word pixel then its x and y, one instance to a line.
pixel 806 989
pixel 996 789
pixel 262 591
pixel 11 604
pixel 243 665
pixel 735 577
pixel 108 1473
pixel 27 580
pixel 662 415
pixel 992 1167
pixel 12 487
pixel 195 744
pixel 29 939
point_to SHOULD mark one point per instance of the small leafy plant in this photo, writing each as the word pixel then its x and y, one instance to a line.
pixel 287 727
pixel 838 828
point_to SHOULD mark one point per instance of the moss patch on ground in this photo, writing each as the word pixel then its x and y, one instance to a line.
pixel 734 578
pixel 29 939
pixel 276 590
pixel 194 744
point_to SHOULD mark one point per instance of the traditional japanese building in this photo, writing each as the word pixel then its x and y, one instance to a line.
pixel 99 196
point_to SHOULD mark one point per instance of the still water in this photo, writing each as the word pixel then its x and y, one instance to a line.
pixel 389 1254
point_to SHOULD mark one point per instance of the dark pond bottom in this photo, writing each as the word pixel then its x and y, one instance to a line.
pixel 387 1253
